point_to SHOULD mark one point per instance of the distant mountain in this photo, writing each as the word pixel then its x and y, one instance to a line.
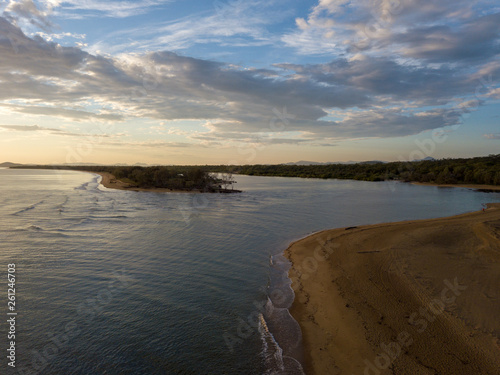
pixel 303 162
pixel 428 158
pixel 8 164
pixel 109 165
pixel 76 164
pixel 373 162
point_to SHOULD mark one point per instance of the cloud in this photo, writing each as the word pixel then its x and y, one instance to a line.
pixel 437 31
pixel 53 131
pixel 388 81
pixel 75 115
pixel 76 9
pixel 51 36
pixel 372 123
pixel 113 9
pixel 493 93
pixel 24 128
pixel 372 95
pixel 149 144
pixel 476 39
pixel 233 23
pixel 233 19
pixel 320 33
pixel 28 10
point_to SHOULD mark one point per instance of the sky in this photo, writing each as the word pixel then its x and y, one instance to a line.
pixel 248 81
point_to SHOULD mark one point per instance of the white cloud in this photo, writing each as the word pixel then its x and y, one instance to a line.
pixel 24 128
pixel 373 97
pixel 238 24
pixel 58 36
pixel 328 6
pixel 412 28
pixel 28 10
pixel 52 131
pixel 148 144
pixel 75 9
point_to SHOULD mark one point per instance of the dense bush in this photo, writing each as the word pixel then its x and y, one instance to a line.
pixel 480 170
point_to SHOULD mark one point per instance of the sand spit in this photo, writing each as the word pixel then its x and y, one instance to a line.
pixel 414 297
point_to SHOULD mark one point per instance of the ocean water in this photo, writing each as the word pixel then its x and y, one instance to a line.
pixel 118 282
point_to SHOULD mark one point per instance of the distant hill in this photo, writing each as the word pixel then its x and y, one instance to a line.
pixel 8 164
pixel 129 165
pixel 428 158
pixel 370 162
pixel 75 164
pixel 304 162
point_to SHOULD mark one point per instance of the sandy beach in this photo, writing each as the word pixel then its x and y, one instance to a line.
pixel 414 297
pixel 109 181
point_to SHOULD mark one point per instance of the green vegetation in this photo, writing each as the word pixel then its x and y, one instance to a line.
pixel 172 177
pixel 480 170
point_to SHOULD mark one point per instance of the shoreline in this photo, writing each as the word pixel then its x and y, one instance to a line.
pixel 109 181
pixel 409 296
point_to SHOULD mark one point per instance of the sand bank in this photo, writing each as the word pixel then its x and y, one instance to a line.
pixel 109 181
pixel 415 297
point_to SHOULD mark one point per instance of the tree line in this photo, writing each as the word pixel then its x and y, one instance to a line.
pixel 479 170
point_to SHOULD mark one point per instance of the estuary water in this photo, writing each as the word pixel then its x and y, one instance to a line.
pixel 119 282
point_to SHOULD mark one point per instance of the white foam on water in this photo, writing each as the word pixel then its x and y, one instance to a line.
pixel 271 352
pixel 281 333
pixel 275 362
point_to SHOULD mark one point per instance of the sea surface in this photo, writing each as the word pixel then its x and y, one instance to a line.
pixel 118 282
